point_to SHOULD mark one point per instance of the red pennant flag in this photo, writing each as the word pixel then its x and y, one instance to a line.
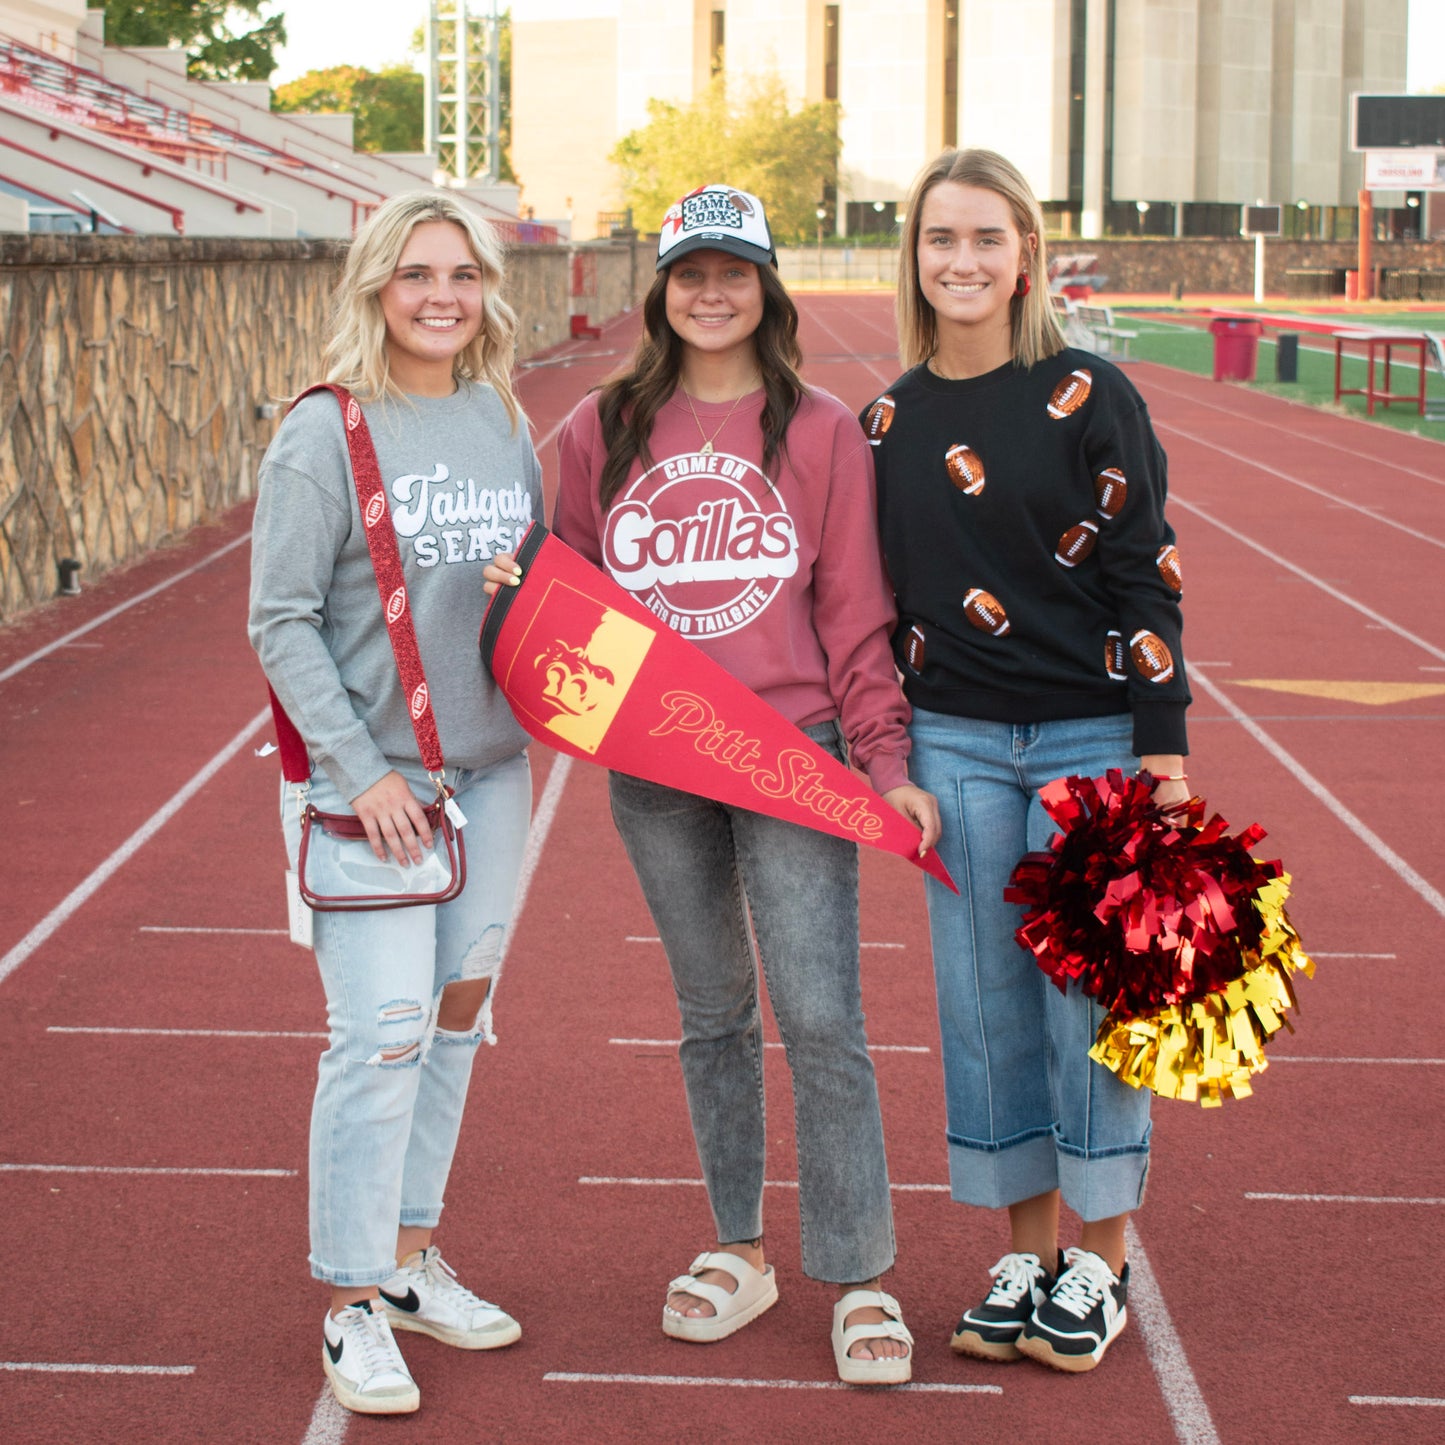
pixel 591 672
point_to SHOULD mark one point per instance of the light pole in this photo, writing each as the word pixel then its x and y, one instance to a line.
pixel 821 214
pixel 878 248
pixel 1143 208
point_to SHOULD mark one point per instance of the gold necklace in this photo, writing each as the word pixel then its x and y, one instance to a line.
pixel 706 449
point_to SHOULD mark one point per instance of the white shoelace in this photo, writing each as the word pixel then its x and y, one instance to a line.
pixel 1082 1285
pixel 443 1279
pixel 1013 1277
pixel 371 1333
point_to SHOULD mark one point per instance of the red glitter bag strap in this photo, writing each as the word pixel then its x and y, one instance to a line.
pixel 390 584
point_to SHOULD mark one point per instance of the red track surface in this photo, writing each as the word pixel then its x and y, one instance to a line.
pixel 1313 549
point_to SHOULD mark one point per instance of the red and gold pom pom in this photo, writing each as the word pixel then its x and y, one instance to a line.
pixel 1172 925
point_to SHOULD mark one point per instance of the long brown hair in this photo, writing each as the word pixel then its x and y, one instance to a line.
pixel 1036 331
pixel 630 402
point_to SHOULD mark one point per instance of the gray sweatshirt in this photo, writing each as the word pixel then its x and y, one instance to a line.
pixel 461 486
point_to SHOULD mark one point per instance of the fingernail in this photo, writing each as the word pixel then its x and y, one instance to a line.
pixel 515 581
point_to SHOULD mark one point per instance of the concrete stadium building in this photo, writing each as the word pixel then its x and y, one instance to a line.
pixel 1135 116
pixel 96 137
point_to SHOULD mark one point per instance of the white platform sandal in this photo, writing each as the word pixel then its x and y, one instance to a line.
pixel 757 1290
pixel 871 1372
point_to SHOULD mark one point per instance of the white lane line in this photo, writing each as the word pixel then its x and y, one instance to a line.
pixel 50 1369
pixel 117 610
pixel 1341 1199
pixel 329 1419
pixel 767 1184
pixel 1310 1059
pixel 1370 458
pixel 872 1048
pixel 568 1377
pixel 883 378
pixel 191 1033
pixel 1180 1390
pixel 122 855
pixel 1384 622
pixel 1415 1400
pixel 1257 465
pixel 541 826
pixel 1370 839
pixel 653 938
pixel 161 928
pixel 136 1169
pixel 1313 954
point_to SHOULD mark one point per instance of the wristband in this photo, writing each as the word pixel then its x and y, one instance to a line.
pixel 1167 777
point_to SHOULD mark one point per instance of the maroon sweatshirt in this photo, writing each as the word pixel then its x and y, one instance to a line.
pixel 780 582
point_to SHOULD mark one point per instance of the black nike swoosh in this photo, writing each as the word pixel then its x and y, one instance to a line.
pixel 335 1351
pixel 407 1302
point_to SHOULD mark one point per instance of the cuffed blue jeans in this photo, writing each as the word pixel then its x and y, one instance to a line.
pixel 1028 1110
pixel 705 869
pixel 391 1086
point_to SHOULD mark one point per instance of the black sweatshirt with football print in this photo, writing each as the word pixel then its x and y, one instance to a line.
pixel 1022 517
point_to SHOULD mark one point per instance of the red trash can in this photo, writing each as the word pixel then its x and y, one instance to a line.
pixel 1236 347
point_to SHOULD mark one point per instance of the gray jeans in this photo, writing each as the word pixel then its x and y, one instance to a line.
pixel 705 868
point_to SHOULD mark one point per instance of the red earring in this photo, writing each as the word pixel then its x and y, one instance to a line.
pixel 1021 286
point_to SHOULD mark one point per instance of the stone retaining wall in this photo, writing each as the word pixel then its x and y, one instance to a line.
pixel 132 369
pixel 1146 266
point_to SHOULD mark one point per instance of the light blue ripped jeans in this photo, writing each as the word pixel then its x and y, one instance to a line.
pixel 391 1086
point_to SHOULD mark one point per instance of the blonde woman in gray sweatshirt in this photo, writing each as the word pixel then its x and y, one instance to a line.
pixel 423 340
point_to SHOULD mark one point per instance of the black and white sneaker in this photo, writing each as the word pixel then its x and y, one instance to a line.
pixel 1083 1315
pixel 425 1295
pixel 990 1331
pixel 364 1366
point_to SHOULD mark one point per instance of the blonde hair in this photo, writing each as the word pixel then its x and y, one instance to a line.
pixel 1036 332
pixel 356 355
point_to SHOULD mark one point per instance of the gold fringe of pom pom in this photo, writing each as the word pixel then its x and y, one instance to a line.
pixel 1207 1051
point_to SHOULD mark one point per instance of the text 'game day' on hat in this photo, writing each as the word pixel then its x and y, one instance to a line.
pixel 716 218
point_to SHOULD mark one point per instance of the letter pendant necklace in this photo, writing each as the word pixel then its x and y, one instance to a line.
pixel 706 449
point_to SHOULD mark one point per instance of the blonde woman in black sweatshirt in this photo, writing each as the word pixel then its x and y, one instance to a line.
pixel 1021 502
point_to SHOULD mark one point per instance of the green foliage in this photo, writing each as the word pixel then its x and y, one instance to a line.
pixel 387 104
pixel 747 137
pixel 203 29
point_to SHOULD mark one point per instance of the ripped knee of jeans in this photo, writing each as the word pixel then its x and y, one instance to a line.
pixel 483 960
pixel 464 1010
pixel 403 1025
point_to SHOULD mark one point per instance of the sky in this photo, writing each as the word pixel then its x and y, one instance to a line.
pixel 378 32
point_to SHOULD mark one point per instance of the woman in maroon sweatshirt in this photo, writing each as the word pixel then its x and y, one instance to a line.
pixel 737 504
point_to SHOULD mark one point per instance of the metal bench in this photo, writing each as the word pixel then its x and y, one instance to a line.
pixel 1435 351
pixel 1101 326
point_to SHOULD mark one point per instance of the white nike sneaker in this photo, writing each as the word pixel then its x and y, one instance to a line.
pixel 364 1366
pixel 424 1295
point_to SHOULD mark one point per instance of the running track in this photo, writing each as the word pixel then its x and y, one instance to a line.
pixel 161 1031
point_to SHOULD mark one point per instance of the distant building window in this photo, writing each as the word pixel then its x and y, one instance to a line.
pixel 719 29
pixel 950 72
pixel 830 52
pixel 1078 21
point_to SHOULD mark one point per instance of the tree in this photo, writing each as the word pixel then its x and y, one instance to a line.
pixel 748 137
pixel 203 29
pixel 387 103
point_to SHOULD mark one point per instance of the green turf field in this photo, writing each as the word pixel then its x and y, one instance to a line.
pixel 1192 349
